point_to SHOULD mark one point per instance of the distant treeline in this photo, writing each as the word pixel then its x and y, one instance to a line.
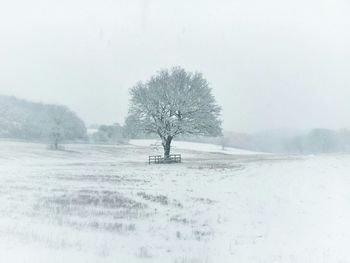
pixel 320 141
pixel 21 119
pixel 54 124
pixel 316 141
pixel 115 134
pixel 107 134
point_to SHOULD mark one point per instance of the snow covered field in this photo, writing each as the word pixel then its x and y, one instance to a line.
pixel 105 204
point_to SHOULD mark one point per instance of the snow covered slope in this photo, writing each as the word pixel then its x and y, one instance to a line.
pixel 105 204
pixel 203 147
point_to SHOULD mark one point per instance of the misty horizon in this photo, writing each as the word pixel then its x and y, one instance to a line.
pixel 281 131
pixel 270 65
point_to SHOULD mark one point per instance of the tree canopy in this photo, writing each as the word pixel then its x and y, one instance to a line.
pixel 22 119
pixel 175 102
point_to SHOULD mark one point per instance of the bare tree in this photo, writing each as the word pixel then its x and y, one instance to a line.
pixel 5 117
pixel 175 102
pixel 56 130
pixel 224 142
pixel 4 110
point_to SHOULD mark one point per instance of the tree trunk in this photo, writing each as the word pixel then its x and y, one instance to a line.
pixel 166 145
pixel 56 144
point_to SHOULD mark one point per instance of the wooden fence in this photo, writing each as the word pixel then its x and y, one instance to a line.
pixel 173 158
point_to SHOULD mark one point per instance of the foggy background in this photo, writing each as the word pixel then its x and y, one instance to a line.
pixel 272 64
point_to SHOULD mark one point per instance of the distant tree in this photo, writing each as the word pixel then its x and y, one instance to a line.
pixel 56 130
pixel 63 125
pixel 224 142
pixel 110 134
pixel 322 141
pixel 131 128
pixel 175 102
pixel 344 140
pixel 4 112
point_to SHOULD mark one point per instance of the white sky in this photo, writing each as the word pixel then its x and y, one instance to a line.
pixel 272 64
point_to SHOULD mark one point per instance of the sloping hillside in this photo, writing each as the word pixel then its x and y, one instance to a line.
pixel 105 204
pixel 22 119
pixel 184 145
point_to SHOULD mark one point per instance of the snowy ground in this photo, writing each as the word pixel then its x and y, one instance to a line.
pixel 105 204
